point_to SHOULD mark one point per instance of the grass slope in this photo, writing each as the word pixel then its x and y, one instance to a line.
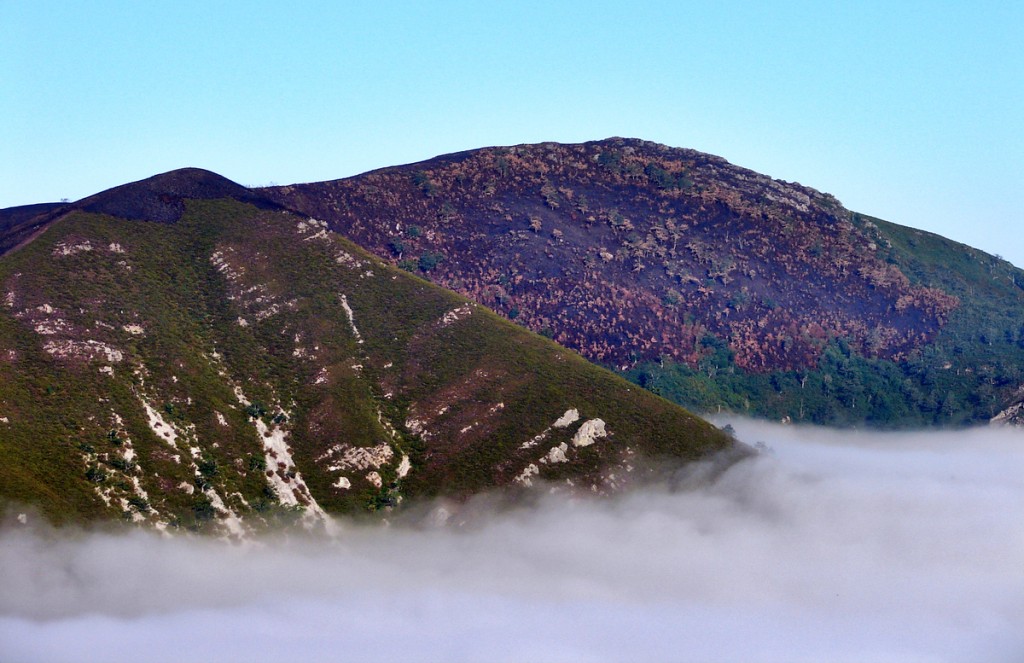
pixel 243 363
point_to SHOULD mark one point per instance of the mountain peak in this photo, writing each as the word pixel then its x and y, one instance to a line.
pixel 161 197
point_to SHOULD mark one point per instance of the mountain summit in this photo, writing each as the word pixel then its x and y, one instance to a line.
pixel 162 198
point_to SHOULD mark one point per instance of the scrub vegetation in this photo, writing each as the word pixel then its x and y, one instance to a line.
pixel 715 286
pixel 231 366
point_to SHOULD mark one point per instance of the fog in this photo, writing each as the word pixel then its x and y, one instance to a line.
pixel 829 546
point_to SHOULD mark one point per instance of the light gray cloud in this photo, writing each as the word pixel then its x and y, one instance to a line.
pixel 835 546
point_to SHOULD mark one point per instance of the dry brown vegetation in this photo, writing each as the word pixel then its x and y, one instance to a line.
pixel 629 251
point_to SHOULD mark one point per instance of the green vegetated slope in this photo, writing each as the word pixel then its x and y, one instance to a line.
pixel 970 372
pixel 713 285
pixel 238 365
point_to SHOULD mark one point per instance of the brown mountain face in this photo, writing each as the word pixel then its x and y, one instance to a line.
pixel 627 250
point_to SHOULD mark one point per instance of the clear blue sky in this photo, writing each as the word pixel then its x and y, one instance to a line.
pixel 913 112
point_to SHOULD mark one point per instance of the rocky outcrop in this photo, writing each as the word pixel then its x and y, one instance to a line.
pixel 1013 413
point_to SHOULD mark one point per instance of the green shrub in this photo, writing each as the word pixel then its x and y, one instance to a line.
pixel 95 474
pixel 139 504
pixel 429 261
pixel 202 509
pixel 208 467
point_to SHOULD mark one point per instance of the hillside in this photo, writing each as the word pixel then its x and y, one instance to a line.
pixel 18 224
pixel 234 364
pixel 711 284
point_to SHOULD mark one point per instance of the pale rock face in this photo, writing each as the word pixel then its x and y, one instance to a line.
pixel 315 226
pixel 68 349
pixel 403 467
pixel 228 518
pixel 64 249
pixel 289 485
pixel 525 477
pixel 346 457
pixel 52 327
pixel 1012 415
pixel 320 228
pixel 348 260
pixel 415 426
pixel 351 318
pixel 159 426
pixel 570 417
pixel 556 454
pixel 589 433
pixel 456 314
pixel 529 444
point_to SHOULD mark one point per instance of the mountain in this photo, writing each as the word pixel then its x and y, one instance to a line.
pixel 711 284
pixel 185 353
pixel 18 224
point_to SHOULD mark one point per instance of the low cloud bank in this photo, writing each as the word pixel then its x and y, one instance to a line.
pixel 832 546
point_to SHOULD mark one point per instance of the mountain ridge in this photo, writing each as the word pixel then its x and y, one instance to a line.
pixel 703 281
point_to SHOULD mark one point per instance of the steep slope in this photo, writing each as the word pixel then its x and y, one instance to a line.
pixel 233 365
pixel 160 198
pixel 706 282
pixel 18 224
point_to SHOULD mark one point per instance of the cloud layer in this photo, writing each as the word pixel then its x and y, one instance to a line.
pixel 833 546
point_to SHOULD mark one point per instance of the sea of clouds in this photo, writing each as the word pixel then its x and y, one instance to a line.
pixel 829 546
